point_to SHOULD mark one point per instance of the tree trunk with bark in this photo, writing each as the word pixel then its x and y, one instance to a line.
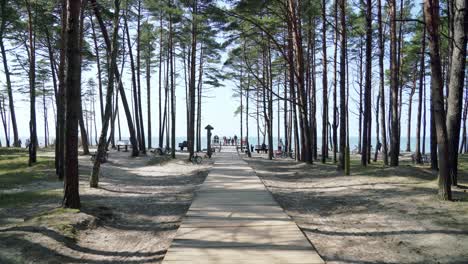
pixel 418 156
pixel 382 84
pixel 343 104
pixel 7 75
pixel 98 66
pixel 335 84
pixel 60 132
pixel 138 107
pixel 102 146
pixel 431 8
pixel 395 131
pixel 83 131
pixel 368 86
pixel 71 198
pixel 456 84
pixel 410 109
pixel 192 84
pixel 173 87
pixel 128 114
pixel 324 84
pixel 32 86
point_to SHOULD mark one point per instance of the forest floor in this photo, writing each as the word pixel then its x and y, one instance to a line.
pixel 376 215
pixel 131 218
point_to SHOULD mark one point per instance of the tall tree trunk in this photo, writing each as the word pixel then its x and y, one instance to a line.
pixel 269 74
pixel 361 84
pixel 84 134
pixel 418 157
pixel 94 119
pixel 139 122
pixel 457 76
pixel 313 107
pixel 343 104
pixel 52 63
pixel 173 87
pixel 98 66
pixel 295 10
pixel 410 108
pixel 465 115
pixel 60 132
pixel 241 95
pixel 368 86
pixel 433 139
pixel 287 142
pixel 431 8
pixel 44 110
pixel 199 99
pixel 382 84
pixel 265 100
pixel 4 120
pixel 148 98
pixel 424 115
pixel 324 84
pixel 394 141
pixel 247 90
pixel 192 85
pixel 160 134
pixel 335 108
pixel 128 114
pixel 7 75
pixel 71 196
pixel 134 81
pixel 101 151
pixel 377 128
pixel 32 86
pixel 165 122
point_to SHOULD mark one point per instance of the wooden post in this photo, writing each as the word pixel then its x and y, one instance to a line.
pixel 208 129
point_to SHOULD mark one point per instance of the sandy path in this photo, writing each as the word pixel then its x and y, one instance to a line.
pixel 131 218
pixel 391 217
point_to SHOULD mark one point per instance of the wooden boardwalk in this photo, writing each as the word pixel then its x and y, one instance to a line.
pixel 234 219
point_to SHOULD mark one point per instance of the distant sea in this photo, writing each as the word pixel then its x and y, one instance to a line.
pixel 252 140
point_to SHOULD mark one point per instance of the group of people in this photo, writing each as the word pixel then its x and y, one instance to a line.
pixel 231 141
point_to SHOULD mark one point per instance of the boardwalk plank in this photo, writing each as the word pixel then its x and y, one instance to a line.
pixel 234 219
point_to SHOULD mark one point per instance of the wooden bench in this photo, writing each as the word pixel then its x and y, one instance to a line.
pixel 123 144
pixel 258 149
pixel 425 159
pixel 183 145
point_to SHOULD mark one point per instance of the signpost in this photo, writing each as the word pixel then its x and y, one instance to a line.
pixel 208 129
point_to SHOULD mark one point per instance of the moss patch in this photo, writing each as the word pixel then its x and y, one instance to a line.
pixel 14 169
pixel 22 198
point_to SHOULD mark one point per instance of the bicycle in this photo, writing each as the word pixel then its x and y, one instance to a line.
pixel 196 159
pixel 168 151
pixel 162 151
